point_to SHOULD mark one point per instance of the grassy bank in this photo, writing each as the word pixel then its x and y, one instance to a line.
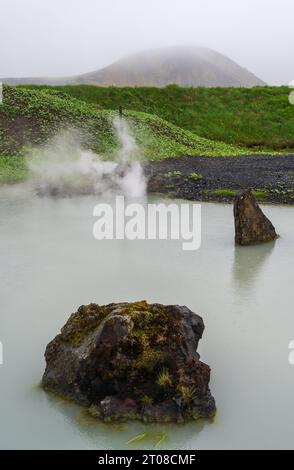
pixel 257 118
pixel 30 117
pixel 13 169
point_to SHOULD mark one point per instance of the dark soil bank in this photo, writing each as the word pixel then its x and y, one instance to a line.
pixel 271 177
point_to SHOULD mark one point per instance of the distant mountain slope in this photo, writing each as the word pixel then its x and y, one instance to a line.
pixel 193 66
pixel 186 66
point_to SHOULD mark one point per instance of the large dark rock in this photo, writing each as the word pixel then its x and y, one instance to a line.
pixel 251 225
pixel 131 361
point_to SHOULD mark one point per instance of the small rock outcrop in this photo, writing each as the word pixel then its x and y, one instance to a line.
pixel 131 361
pixel 251 225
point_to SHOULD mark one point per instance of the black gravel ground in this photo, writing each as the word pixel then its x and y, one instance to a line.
pixel 271 176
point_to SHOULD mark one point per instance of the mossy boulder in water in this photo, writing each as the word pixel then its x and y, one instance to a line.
pixel 131 361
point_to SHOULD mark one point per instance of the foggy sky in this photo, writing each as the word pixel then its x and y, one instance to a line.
pixel 69 37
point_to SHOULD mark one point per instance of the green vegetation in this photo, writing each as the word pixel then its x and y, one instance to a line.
pixel 137 438
pixel 227 192
pixel 155 437
pixel 32 116
pixel 164 378
pixel 12 169
pixel 188 393
pixel 260 118
pixel 195 176
pixel 148 359
pixel 146 400
pixel 260 193
pixel 171 174
pixel 224 192
pixel 257 118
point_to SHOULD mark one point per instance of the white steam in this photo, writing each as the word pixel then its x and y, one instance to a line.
pixel 128 149
pixel 64 168
pixel 133 180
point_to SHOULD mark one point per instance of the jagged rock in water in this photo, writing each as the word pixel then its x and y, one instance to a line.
pixel 131 361
pixel 251 225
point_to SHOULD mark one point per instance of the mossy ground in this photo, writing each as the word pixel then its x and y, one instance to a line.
pixel 257 118
pixel 13 168
pixel 30 117
pixel 268 195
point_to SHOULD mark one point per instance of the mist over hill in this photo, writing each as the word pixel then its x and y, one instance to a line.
pixel 185 66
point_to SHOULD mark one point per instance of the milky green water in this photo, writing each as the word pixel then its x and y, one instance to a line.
pixel 50 264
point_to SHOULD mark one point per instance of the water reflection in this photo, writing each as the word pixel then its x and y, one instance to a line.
pixel 127 435
pixel 248 263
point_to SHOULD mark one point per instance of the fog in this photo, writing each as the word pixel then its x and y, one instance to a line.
pixel 68 37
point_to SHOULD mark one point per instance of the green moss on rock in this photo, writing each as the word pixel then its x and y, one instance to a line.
pixel 131 360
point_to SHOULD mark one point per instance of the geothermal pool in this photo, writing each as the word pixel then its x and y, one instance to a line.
pixel 51 264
